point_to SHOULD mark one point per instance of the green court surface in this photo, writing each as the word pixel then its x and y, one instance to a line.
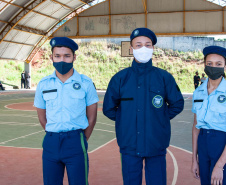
pixel 19 128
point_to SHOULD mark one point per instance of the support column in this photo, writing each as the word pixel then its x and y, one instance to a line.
pixel 27 69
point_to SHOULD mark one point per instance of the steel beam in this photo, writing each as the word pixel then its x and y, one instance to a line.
pixel 29 9
pixel 62 4
pixel 12 42
pixel 30 30
pixel 19 16
pixel 27 29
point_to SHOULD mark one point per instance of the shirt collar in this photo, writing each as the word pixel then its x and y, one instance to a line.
pixel 221 87
pixel 75 77
pixel 203 87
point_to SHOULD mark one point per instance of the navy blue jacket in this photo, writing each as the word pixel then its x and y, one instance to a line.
pixel 142 99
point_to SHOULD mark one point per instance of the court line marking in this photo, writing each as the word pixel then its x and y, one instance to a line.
pixel 20 115
pixel 17 99
pixel 105 130
pixel 21 137
pixel 41 148
pixel 17 124
pixel 184 121
pixel 181 149
pixel 106 124
pixel 175 175
pixel 102 146
pixel 16 109
pixel 19 147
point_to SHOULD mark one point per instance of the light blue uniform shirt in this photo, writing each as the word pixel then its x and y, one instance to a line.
pixel 65 103
pixel 210 109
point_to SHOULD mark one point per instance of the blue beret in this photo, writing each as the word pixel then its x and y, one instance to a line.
pixel 64 42
pixel 214 50
pixel 144 32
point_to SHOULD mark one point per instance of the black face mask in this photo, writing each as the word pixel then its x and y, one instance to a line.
pixel 214 72
pixel 63 67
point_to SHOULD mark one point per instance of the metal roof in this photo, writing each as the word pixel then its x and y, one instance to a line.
pixel 26 24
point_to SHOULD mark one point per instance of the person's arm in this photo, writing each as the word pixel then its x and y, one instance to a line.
pixel 217 174
pixel 91 113
pixel 195 165
pixel 91 108
pixel 174 97
pixel 40 104
pixel 42 117
pixel 111 99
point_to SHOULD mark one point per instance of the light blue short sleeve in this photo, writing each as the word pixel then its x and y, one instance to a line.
pixel 91 96
pixel 39 102
pixel 193 104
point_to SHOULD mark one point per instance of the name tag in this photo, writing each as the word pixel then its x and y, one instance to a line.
pixel 198 101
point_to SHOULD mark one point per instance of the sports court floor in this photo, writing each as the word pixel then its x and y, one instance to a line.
pixel 21 145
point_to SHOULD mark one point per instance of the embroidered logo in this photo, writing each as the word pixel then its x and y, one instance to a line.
pixel 221 99
pixel 76 86
pixel 136 33
pixel 157 101
pixel 53 42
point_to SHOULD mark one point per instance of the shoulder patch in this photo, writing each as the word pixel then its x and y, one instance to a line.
pixel 178 88
pixel 94 85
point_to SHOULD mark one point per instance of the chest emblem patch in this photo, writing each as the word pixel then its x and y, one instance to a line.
pixel 157 101
pixel 221 98
pixel 76 86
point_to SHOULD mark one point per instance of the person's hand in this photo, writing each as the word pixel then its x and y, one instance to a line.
pixel 217 176
pixel 195 169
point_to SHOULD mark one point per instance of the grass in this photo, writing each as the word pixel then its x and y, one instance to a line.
pixel 101 60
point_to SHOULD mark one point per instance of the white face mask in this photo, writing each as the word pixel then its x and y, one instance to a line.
pixel 143 54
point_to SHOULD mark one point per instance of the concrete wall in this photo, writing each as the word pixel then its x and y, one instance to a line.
pixel 187 43
pixel 175 43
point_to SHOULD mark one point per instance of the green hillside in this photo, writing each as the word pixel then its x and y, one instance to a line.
pixel 101 60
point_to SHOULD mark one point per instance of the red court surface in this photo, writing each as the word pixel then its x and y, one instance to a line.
pixel 23 166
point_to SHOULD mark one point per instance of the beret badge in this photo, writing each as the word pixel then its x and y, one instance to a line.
pixel 53 42
pixel 136 33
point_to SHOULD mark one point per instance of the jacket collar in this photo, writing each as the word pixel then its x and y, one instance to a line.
pixel 141 66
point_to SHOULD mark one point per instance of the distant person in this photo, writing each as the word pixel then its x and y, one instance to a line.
pixel 1 86
pixel 209 128
pixel 203 78
pixel 142 100
pixel 196 79
pixel 66 104
pixel 23 80
pixel 28 81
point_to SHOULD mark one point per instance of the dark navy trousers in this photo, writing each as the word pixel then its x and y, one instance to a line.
pixel 65 149
pixel 155 169
pixel 211 144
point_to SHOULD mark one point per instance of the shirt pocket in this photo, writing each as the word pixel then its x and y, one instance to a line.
pixel 219 112
pixel 77 100
pixel 157 98
pixel 197 106
pixel 51 100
